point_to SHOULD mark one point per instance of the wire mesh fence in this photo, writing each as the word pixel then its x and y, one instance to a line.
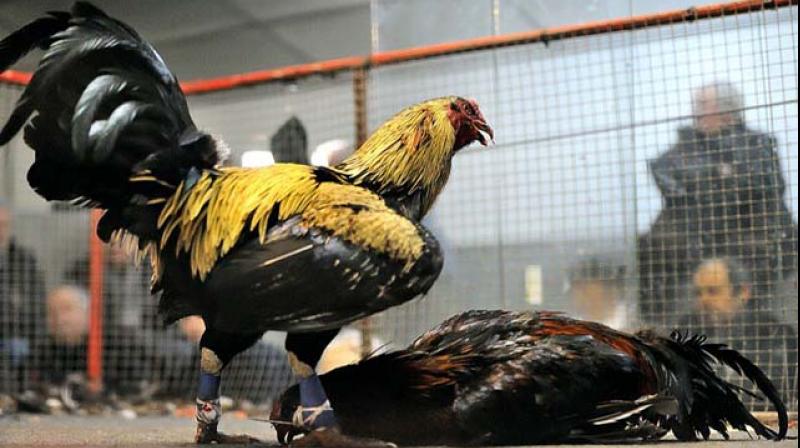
pixel 641 177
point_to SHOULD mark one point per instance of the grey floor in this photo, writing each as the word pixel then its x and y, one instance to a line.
pixel 42 431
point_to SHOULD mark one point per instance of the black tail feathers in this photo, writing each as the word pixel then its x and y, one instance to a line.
pixel 623 421
pixel 30 36
pixel 104 108
pixel 708 402
pixel 744 367
pixel 35 34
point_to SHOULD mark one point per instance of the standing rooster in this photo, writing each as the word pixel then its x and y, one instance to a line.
pixel 518 378
pixel 289 247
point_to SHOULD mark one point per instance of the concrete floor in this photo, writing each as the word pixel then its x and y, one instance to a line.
pixel 43 431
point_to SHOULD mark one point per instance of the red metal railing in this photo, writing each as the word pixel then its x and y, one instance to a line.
pixel 94 355
pixel 393 57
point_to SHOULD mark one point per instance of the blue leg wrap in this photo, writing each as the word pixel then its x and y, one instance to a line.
pixel 317 411
pixel 209 386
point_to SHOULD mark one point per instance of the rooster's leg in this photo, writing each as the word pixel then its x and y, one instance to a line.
pixel 305 350
pixel 216 351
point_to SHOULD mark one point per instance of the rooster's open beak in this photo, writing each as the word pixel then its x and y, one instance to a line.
pixel 483 130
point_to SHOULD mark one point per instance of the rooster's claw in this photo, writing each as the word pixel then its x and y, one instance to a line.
pixel 207 434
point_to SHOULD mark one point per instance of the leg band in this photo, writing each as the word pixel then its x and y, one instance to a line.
pixel 316 409
pixel 209 386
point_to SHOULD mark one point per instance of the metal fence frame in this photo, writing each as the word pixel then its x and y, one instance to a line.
pixel 361 67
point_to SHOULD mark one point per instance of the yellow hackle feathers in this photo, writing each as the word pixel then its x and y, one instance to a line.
pixel 362 218
pixel 131 245
pixel 410 152
pixel 208 221
pixel 210 218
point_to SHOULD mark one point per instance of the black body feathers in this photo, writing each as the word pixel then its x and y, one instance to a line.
pixel 516 378
pixel 101 107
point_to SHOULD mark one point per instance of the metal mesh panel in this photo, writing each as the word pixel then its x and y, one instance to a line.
pixel 140 357
pixel 37 245
pixel 466 216
pixel 614 192
pixel 720 210
pixel 247 118
pixel 571 210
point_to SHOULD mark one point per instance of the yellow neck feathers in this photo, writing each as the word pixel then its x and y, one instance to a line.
pixel 409 153
pixel 208 220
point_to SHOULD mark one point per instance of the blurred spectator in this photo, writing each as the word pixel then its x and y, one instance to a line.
pixel 138 350
pixel 21 300
pixel 723 196
pixel 787 301
pixel 64 351
pixel 129 319
pixel 597 291
pixel 260 374
pixel 128 366
pixel 67 315
pixel 723 311
pixel 127 302
pixel 290 143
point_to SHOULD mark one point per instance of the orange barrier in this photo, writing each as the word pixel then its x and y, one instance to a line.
pixel 15 77
pixel 94 355
pixel 481 43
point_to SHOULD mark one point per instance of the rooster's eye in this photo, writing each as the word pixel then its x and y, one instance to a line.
pixel 469 109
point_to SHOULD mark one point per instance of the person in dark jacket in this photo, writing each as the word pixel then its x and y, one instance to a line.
pixel 723 195
pixel 289 144
pixel 21 303
pixel 724 311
